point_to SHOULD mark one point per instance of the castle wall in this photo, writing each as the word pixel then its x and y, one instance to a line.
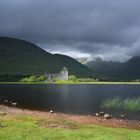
pixel 63 75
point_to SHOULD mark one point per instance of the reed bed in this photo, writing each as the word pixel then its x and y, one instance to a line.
pixel 132 104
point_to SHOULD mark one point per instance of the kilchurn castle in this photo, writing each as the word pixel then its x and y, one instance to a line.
pixel 63 75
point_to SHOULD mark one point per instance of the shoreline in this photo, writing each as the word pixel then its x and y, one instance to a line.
pixel 72 83
pixel 12 112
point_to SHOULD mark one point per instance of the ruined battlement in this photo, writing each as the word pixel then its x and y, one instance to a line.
pixel 62 75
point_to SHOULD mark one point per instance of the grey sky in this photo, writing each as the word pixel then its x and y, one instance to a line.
pixel 106 28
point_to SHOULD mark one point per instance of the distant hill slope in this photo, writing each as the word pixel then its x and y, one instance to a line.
pixel 117 70
pixel 132 67
pixel 22 57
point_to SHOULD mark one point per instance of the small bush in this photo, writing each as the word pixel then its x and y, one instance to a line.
pixel 41 78
pixel 87 80
pixel 34 78
pixel 24 79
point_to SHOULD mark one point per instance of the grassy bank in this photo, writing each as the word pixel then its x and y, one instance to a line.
pixel 132 104
pixel 70 82
pixel 27 127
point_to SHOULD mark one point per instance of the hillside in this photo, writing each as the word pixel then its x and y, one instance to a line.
pixel 132 67
pixel 116 70
pixel 20 57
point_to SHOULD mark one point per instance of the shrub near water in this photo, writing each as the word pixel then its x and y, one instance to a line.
pixel 34 79
pixel 132 104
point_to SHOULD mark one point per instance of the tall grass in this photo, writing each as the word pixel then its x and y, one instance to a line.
pixel 132 104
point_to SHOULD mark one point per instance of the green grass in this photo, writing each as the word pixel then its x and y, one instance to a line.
pixel 71 82
pixel 25 83
pixel 29 128
pixel 132 104
pixel 3 113
pixel 95 82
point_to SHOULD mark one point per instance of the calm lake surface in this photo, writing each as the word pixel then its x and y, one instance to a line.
pixel 75 99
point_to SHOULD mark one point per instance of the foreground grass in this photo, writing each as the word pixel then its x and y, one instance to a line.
pixel 132 104
pixel 26 127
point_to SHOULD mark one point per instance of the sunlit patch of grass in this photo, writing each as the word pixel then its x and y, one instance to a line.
pixel 67 124
pixel 3 113
pixel 132 104
pixel 26 118
pixel 29 127
pixel 72 82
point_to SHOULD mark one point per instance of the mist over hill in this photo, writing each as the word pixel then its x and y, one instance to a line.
pixel 116 70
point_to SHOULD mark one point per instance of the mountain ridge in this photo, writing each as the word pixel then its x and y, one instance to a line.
pixel 126 70
pixel 23 57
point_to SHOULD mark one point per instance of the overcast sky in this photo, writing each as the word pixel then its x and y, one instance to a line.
pixel 79 28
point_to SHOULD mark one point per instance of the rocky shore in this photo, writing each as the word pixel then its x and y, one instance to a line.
pixel 8 112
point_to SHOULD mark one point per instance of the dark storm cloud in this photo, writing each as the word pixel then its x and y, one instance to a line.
pixel 106 28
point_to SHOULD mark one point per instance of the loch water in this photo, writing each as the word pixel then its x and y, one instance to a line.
pixel 73 99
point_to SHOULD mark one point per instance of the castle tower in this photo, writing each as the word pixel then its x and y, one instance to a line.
pixel 64 74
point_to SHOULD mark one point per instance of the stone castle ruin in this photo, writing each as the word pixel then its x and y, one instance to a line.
pixel 63 75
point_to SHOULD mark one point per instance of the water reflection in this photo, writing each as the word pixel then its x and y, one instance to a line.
pixel 79 99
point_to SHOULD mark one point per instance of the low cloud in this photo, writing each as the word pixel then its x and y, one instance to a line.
pixel 109 28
